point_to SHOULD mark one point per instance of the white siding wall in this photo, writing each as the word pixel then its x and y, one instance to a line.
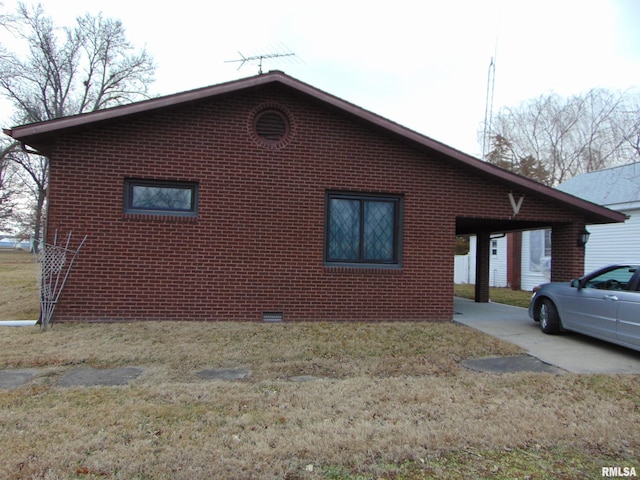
pixel 463 268
pixel 613 243
pixel 497 263
pixel 530 278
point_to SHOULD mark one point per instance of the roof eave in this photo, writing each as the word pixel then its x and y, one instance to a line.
pixel 51 126
pixel 31 133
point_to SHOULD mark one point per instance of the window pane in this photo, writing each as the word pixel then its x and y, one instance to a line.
pixel 378 230
pixel 540 251
pixel 344 229
pixel 617 279
pixel 162 198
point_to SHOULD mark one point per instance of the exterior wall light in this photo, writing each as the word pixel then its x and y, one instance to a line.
pixel 583 238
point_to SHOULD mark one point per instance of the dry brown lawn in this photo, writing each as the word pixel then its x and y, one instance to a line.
pixel 18 286
pixel 390 401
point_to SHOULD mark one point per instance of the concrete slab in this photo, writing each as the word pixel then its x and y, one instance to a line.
pixel 10 379
pixel 510 364
pixel 87 377
pixel 570 351
pixel 224 374
pixel 304 378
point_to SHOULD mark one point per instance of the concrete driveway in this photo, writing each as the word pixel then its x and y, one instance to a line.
pixel 569 351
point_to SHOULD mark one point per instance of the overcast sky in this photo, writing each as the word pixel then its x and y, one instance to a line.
pixel 423 64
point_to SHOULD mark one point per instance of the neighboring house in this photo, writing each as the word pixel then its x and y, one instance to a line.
pixel 465 264
pixel 268 199
pixel 616 188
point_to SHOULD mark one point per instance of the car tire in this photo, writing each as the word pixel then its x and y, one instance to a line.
pixel 548 317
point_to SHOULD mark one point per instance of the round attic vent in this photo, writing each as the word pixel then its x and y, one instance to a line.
pixel 271 126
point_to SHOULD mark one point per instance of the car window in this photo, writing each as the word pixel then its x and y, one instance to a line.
pixel 616 279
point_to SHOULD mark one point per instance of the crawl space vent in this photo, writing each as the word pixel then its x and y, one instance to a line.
pixel 272 317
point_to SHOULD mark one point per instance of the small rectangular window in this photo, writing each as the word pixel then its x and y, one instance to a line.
pixel 161 197
pixel 362 229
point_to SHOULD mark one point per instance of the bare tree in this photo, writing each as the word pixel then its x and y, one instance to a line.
pixel 67 71
pixel 552 139
pixel 7 184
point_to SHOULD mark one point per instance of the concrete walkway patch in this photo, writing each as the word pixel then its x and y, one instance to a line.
pixel 224 374
pixel 10 379
pixel 304 378
pixel 510 364
pixel 87 377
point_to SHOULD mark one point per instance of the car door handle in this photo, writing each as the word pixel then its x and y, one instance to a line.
pixel 613 298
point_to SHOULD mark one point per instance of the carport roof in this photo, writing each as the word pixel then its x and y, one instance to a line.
pixel 42 135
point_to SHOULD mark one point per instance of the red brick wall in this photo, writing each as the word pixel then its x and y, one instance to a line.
pixel 567 257
pixel 257 242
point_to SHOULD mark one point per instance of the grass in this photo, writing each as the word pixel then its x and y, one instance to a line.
pixel 517 298
pixel 391 401
pixel 18 286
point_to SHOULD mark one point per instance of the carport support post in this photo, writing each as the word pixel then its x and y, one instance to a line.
pixel 567 257
pixel 483 242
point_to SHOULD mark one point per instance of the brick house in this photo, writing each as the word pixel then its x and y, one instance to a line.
pixel 266 198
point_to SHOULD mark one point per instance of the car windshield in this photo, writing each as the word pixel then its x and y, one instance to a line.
pixel 616 279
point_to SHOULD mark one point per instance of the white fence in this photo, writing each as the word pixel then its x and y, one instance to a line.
pixel 462 269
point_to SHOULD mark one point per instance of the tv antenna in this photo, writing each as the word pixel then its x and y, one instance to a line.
pixel 259 58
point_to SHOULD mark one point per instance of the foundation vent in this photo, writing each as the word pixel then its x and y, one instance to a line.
pixel 272 317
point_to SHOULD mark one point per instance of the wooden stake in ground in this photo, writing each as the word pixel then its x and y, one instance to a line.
pixel 55 263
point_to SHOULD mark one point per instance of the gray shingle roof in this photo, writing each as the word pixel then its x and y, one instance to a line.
pixel 609 187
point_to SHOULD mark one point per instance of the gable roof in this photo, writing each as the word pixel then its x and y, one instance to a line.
pixel 617 187
pixel 42 135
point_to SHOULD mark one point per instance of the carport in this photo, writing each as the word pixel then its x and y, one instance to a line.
pixel 515 204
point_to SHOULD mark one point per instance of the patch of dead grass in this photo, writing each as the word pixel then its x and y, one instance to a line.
pixel 391 402
pixel 18 286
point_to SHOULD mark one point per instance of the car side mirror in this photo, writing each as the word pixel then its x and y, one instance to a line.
pixel 575 283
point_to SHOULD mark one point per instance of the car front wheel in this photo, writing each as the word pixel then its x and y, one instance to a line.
pixel 548 316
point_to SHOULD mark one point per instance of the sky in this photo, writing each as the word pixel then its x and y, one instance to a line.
pixel 421 63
